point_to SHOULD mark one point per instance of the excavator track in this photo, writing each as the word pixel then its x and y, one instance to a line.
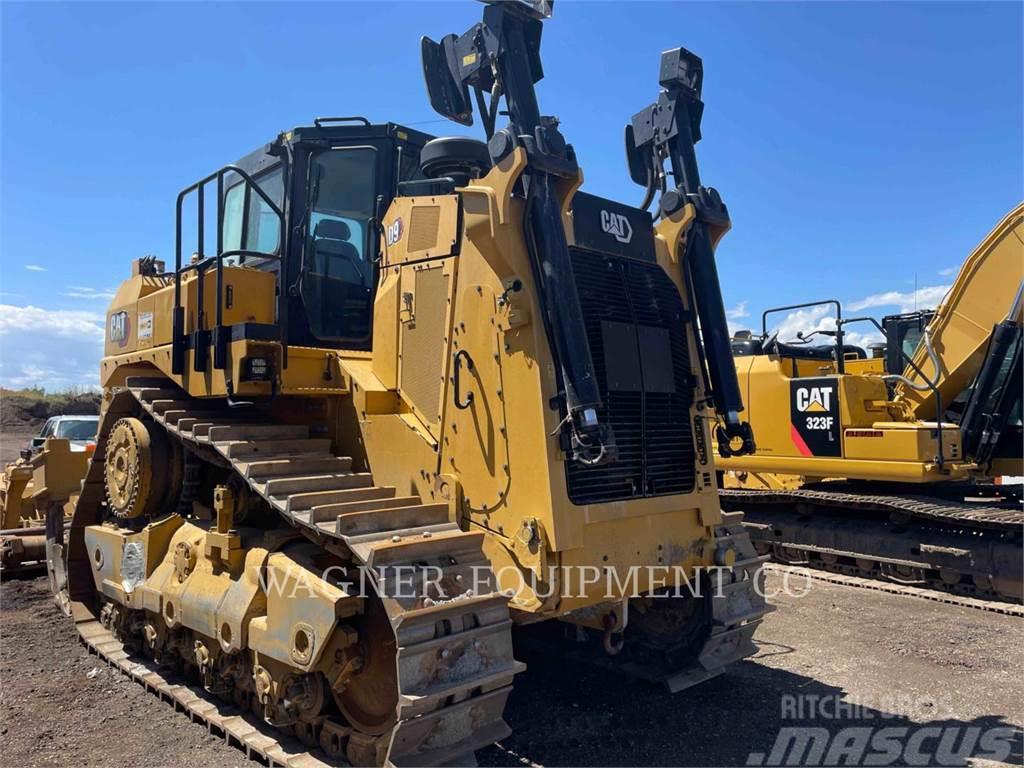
pixel 892 588
pixel 912 502
pixel 967 548
pixel 454 656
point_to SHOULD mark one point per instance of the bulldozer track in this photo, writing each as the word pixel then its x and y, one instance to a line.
pixel 446 709
pixel 859 582
pixel 979 539
pixel 258 740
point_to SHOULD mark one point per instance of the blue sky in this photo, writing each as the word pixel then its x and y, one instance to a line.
pixel 863 148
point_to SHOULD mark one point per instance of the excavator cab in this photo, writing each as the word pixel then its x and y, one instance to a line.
pixel 903 333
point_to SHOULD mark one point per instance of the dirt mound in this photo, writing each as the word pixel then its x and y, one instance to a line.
pixel 25 410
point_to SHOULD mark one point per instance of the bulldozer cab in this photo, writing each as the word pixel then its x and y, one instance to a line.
pixel 305 207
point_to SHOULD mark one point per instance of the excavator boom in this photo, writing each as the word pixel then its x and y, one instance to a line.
pixel 980 297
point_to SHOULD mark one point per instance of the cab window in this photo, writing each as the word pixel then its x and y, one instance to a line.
pixel 338 267
pixel 263 228
pixel 911 339
pixel 264 225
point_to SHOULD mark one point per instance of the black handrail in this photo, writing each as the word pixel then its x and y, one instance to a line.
pixel 319 121
pixel 241 252
pixel 840 361
pixel 200 265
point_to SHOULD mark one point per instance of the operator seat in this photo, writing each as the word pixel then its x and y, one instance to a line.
pixel 334 255
pixel 337 286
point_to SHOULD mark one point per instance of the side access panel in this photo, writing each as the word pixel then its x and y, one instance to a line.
pixel 425 310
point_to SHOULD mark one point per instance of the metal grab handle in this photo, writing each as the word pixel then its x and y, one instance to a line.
pixel 319 121
pixel 457 377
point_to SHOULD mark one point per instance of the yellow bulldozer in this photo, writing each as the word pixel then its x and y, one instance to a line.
pixel 887 464
pixel 420 390
pixel 47 476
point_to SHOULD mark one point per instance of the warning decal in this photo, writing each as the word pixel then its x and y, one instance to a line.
pixel 145 325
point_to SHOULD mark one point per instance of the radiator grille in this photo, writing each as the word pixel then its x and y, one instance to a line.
pixel 644 377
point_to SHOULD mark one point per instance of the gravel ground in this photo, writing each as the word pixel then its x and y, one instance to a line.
pixel 907 662
pixel 903 661
pixel 59 707
pixel 12 441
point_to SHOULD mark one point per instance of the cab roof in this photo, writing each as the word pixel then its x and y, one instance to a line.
pixel 327 131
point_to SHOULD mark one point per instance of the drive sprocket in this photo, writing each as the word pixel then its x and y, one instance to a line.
pixel 139 468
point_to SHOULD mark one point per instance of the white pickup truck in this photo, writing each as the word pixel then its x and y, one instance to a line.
pixel 80 430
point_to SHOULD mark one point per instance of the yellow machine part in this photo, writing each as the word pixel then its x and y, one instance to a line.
pixel 138 340
pixel 980 297
pixel 501 471
pixel 29 490
pixel 15 494
pixel 248 601
pixel 52 476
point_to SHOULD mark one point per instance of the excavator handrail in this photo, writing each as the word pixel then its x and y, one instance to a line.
pixel 839 353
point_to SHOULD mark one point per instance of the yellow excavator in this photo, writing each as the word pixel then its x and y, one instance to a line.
pixel 887 464
pixel 420 389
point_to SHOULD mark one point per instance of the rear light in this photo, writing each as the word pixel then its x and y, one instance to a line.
pixel 256 369
pixel 90 448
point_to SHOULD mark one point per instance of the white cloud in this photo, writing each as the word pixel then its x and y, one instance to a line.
pixel 928 297
pixel 804 321
pixel 863 339
pixel 35 268
pixel 738 312
pixel 735 313
pixel 822 319
pixel 52 348
pixel 949 271
pixel 81 292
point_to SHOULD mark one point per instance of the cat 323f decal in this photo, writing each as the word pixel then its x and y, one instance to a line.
pixel 814 416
